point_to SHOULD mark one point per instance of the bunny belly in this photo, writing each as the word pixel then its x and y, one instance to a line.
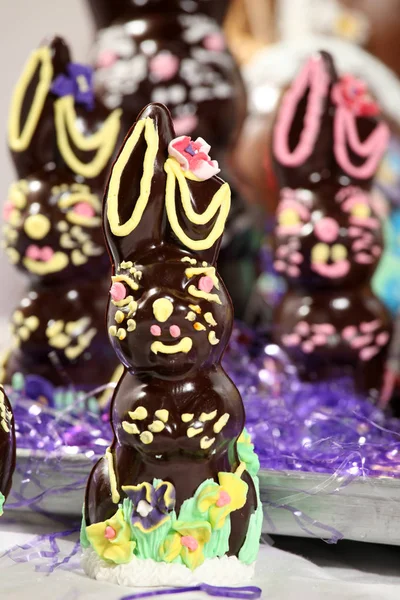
pixel 324 332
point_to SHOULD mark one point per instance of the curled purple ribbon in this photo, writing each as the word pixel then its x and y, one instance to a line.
pixel 250 592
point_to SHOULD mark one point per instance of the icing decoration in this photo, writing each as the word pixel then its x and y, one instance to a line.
pixel 199 327
pixel 220 424
pixel 175 331
pixel 212 338
pixel 162 414
pixel 192 261
pixel 206 442
pixel 130 428
pixel 78 83
pixel 186 417
pixel 112 477
pixel 103 141
pixel 139 414
pixel 155 330
pixel 208 279
pixel 151 138
pixel 193 431
pixel 194 157
pixel 193 291
pixel 352 93
pixel 191 316
pixel 126 279
pixel 195 307
pixel 17 139
pixel 219 500
pixel 44 264
pixel 184 345
pixel 160 501
pixel 208 416
pixel 220 204
pixel 208 317
pixel 116 547
pixel 312 76
pixel 206 284
pixel 194 535
pixel 37 226
pixel 162 309
pixel 156 426
pixel 146 437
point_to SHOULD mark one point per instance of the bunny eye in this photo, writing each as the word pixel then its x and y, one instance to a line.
pixel 206 284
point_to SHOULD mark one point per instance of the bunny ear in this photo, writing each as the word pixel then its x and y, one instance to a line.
pixel 134 216
pixel 360 139
pixel 302 137
pixel 31 128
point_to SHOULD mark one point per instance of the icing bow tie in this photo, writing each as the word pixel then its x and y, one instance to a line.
pixel 250 592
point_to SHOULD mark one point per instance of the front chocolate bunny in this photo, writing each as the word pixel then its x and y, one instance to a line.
pixel 327 144
pixel 7 447
pixel 62 142
pixel 173 471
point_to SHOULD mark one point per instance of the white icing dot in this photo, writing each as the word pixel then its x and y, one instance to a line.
pixel 144 508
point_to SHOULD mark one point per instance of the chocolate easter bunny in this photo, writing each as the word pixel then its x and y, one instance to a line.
pixel 62 142
pixel 174 471
pixel 7 447
pixel 327 144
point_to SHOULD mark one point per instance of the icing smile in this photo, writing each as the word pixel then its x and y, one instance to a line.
pixel 184 345
pixel 321 253
pixel 42 261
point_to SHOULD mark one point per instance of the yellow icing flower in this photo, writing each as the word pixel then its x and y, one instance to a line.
pixel 220 500
pixel 111 539
pixel 187 541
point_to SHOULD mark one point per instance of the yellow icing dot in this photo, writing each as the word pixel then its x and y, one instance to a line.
pixel 206 442
pixel 138 414
pixel 78 258
pixel 131 325
pixel 126 264
pixel 18 317
pixel 156 426
pixel 338 252
pixel 320 253
pixel 112 330
pixel 208 416
pixel 13 255
pixel 195 308
pixel 16 194
pixel 212 338
pixel 59 341
pixel 199 327
pixel 220 424
pixel 15 218
pixel 192 261
pixel 186 417
pixel 208 317
pixel 193 431
pixel 191 316
pixel 288 217
pixel 119 316
pixel 162 414
pixel 162 309
pixel 121 334
pixel 123 302
pixel 146 437
pixel 37 226
pixel 126 279
pixel 24 333
pixel 361 210
pixel 131 428
pixel 112 477
pixel 185 345
pixel 32 323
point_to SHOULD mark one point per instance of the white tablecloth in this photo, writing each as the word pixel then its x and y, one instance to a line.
pixel 324 572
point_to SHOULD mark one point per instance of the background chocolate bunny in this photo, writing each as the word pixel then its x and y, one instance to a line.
pixel 62 141
pixel 7 447
pixel 175 53
pixel 176 415
pixel 327 144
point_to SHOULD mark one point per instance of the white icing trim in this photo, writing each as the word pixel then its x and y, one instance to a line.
pixel 277 65
pixel 227 570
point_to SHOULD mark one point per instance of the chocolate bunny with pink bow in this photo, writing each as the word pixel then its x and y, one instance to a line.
pixel 62 141
pixel 328 140
pixel 176 415
pixel 7 447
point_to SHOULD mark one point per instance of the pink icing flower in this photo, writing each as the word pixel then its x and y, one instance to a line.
pixel 352 93
pixel 84 209
pixel 190 542
pixel 164 66
pixel 206 284
pixel 110 533
pixel 193 156
pixel 117 291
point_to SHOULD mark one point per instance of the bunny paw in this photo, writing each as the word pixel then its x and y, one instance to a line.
pixel 368 338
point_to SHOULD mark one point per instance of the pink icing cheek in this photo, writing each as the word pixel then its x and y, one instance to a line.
pixel 382 339
pixel 155 330
pixel 7 210
pixel 206 284
pixel 84 209
pixel 117 291
pixel 110 533
pixel 186 124
pixel 164 66
pixel 189 542
pixel 175 331
pixel 47 253
pixel 326 229
pixel 214 42
pixel 223 500
pixel 106 59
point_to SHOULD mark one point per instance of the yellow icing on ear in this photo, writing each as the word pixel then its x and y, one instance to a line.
pixel 220 204
pixel 103 140
pixel 162 309
pixel 126 279
pixel 194 291
pixel 57 263
pixel 115 497
pixel 208 317
pixel 17 139
pixel 208 271
pixel 151 137
pixel 185 345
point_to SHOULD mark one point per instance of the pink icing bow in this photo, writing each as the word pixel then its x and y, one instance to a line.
pixel 193 156
pixel 352 93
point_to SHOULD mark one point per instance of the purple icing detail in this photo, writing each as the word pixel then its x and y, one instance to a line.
pixel 159 503
pixel 250 592
pixel 78 83
pixel 189 150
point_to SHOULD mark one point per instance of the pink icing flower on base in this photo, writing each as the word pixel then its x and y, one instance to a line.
pixel 352 93
pixel 193 156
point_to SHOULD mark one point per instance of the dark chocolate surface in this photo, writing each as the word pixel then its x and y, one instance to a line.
pixel 181 383
pixel 7 444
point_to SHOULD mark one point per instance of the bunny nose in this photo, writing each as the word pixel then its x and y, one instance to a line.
pixel 175 331
pixel 326 229
pixel 37 227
